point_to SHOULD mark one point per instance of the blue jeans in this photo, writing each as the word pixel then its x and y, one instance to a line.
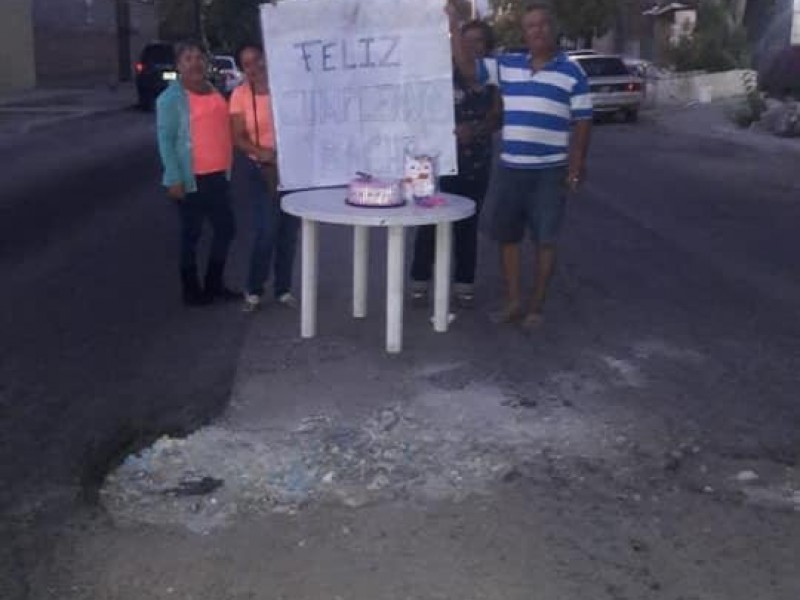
pixel 210 202
pixel 275 236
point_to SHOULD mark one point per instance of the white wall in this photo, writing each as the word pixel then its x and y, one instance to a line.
pixel 796 23
pixel 698 87
pixel 683 25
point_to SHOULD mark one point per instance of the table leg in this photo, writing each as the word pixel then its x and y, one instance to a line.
pixel 395 277
pixel 360 265
pixel 441 293
pixel 310 260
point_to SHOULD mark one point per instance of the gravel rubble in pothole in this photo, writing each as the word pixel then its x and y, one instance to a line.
pixel 444 445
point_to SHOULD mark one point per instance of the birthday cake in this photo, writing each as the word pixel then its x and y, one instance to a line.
pixel 375 193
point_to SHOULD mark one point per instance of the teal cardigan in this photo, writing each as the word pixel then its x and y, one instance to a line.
pixel 175 137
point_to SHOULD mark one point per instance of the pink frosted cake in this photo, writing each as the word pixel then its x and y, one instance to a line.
pixel 375 193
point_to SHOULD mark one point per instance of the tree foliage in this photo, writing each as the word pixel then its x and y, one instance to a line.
pixel 506 22
pixel 584 20
pixel 579 20
pixel 176 19
pixel 225 23
pixel 229 23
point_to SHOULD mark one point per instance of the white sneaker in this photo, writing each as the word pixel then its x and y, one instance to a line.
pixel 252 302
pixel 287 300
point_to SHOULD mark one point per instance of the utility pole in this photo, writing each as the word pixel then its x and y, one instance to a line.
pixel 123 18
pixel 198 20
pixel 739 8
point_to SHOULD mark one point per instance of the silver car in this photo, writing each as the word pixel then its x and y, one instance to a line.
pixel 615 90
pixel 584 52
pixel 228 72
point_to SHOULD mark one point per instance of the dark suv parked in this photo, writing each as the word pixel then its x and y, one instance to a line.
pixel 154 71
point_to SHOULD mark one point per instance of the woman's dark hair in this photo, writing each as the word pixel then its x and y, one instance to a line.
pixel 247 46
pixel 484 28
pixel 187 45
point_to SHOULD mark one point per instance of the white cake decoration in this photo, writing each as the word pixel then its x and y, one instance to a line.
pixel 371 192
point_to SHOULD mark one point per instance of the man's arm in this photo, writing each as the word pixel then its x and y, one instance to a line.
pixel 465 65
pixel 578 150
pixel 582 113
pixel 241 140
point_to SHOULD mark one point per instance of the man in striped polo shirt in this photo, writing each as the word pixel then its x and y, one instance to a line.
pixel 547 116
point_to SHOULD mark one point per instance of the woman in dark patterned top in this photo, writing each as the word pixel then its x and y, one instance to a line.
pixel 474 110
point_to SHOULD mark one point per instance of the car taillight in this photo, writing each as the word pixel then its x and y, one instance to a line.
pixel 138 67
pixel 634 87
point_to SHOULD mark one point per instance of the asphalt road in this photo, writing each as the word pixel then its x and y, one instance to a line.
pixel 674 233
pixel 98 355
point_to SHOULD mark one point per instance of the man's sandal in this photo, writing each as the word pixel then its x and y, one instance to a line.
pixel 510 314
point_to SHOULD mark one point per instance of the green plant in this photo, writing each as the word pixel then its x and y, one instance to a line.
pixel 506 22
pixel 684 55
pixel 742 116
pixel 752 107
pixel 755 101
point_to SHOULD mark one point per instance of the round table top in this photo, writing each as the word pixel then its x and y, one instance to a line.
pixel 328 206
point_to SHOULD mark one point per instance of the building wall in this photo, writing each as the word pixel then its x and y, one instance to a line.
pixel 795 39
pixel 683 24
pixel 682 88
pixel 82 42
pixel 17 64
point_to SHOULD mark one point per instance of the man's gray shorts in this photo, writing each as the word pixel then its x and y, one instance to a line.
pixel 532 198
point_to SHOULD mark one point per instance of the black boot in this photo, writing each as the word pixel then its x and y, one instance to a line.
pixel 192 293
pixel 214 287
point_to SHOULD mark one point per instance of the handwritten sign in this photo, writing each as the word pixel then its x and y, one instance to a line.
pixel 353 83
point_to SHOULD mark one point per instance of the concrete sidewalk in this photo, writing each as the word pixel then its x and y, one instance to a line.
pixel 24 112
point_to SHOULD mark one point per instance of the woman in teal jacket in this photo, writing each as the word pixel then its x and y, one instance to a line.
pixel 196 147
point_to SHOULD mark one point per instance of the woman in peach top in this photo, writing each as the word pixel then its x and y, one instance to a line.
pixel 195 143
pixel 254 134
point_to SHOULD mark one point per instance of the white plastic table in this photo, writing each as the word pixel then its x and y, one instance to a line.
pixel 328 206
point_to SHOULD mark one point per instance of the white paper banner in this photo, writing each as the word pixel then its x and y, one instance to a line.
pixel 353 82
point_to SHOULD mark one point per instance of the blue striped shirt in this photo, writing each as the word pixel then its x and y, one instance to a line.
pixel 539 107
